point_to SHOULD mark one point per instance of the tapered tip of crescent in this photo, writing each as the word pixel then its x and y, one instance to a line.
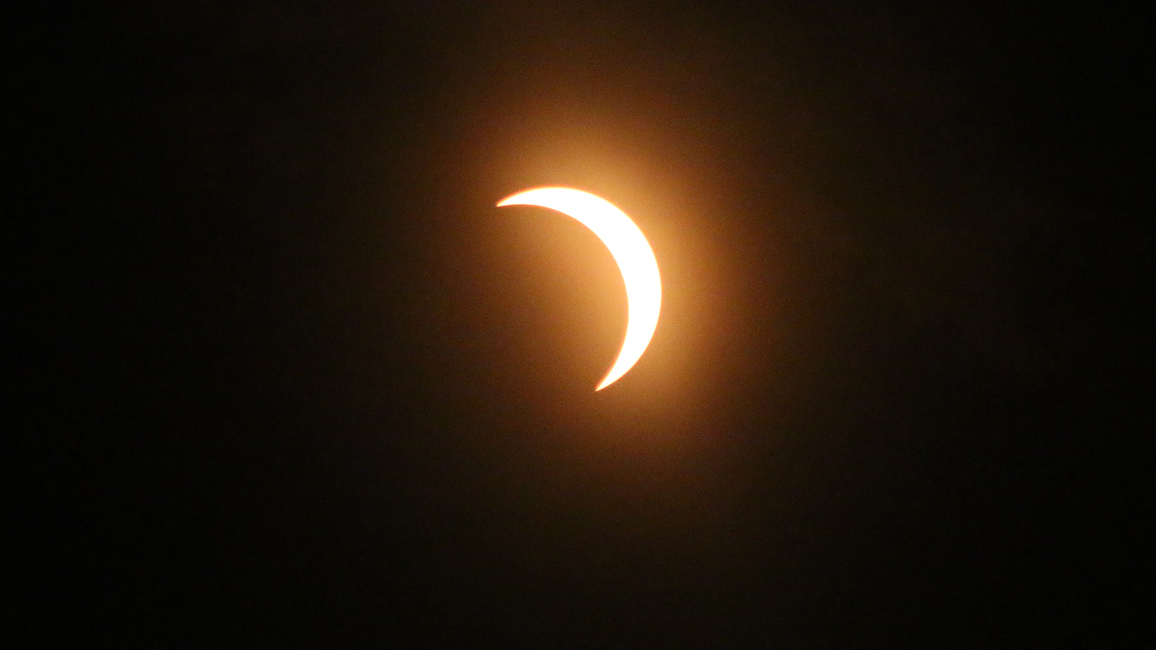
pixel 607 380
pixel 515 199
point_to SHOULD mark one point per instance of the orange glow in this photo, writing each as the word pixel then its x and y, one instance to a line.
pixel 630 250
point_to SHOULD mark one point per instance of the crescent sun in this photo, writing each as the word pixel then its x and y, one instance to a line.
pixel 630 250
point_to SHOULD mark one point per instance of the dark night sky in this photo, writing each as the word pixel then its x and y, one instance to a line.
pixel 287 378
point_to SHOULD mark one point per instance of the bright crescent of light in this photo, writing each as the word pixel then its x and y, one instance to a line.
pixel 630 250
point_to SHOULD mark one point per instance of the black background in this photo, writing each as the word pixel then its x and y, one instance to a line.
pixel 287 378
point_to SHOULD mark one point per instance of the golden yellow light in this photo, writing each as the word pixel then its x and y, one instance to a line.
pixel 630 250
